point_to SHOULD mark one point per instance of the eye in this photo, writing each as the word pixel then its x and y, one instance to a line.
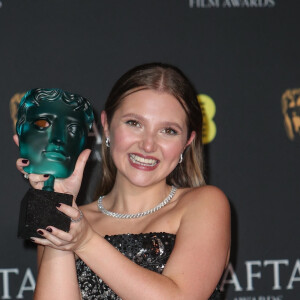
pixel 133 123
pixel 170 131
pixel 41 124
pixel 73 128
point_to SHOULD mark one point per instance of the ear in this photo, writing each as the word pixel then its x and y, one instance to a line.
pixel 104 123
pixel 16 139
pixel 192 137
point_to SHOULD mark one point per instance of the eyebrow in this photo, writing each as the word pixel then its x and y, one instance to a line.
pixel 164 123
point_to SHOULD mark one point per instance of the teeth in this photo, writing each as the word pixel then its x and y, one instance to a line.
pixel 142 161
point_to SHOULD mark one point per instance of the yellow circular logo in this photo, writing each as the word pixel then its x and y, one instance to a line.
pixel 209 128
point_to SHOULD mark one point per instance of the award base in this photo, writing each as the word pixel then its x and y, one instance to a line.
pixel 38 210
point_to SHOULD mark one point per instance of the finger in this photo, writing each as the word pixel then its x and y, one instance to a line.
pixel 81 162
pixel 39 241
pixel 36 178
pixel 21 163
pixel 56 237
pixel 37 181
pixel 16 139
pixel 72 212
pixel 46 242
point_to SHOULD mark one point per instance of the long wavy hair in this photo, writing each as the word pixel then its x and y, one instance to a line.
pixel 167 79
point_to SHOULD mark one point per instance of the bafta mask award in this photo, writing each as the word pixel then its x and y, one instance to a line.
pixel 52 128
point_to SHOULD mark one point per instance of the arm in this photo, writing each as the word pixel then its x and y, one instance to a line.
pixel 204 241
pixel 195 266
pixel 57 274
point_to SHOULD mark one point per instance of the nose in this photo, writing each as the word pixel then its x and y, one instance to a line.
pixel 57 134
pixel 148 142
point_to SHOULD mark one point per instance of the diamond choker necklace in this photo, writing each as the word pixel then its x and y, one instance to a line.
pixel 138 215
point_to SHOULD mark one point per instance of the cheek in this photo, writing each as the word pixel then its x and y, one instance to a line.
pixel 121 139
pixel 173 150
pixel 35 141
pixel 75 144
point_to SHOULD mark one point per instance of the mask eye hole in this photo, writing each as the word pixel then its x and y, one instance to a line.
pixel 74 129
pixel 42 124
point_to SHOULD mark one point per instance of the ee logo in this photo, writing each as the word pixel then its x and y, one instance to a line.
pixel 209 128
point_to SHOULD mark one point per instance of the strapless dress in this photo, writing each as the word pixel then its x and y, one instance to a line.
pixel 149 250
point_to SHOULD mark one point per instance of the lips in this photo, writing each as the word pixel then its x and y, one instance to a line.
pixel 143 161
pixel 55 155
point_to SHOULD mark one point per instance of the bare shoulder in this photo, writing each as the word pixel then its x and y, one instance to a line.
pixel 207 209
pixel 204 198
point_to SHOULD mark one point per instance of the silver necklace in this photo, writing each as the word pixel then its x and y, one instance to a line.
pixel 137 215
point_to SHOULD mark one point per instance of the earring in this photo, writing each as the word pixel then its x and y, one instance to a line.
pixel 180 158
pixel 107 142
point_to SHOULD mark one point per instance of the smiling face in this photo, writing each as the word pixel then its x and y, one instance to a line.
pixel 148 132
pixel 52 137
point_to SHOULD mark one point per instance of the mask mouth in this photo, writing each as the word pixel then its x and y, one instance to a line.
pixel 55 155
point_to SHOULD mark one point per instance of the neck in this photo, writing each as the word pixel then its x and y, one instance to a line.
pixel 128 198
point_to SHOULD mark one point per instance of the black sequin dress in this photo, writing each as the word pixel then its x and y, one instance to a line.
pixel 149 250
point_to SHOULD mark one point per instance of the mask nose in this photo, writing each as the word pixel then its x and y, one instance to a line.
pixel 57 135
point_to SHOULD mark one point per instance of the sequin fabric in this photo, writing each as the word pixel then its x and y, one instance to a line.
pixel 149 250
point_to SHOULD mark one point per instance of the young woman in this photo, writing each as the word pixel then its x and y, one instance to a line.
pixel 157 231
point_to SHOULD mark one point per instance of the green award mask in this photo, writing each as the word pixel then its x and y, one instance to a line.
pixel 52 127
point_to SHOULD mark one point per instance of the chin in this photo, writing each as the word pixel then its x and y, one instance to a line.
pixel 144 182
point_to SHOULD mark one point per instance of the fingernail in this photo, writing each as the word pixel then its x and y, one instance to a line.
pixel 24 161
pixel 46 175
pixel 49 229
pixel 40 232
pixel 32 240
pixel 58 205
